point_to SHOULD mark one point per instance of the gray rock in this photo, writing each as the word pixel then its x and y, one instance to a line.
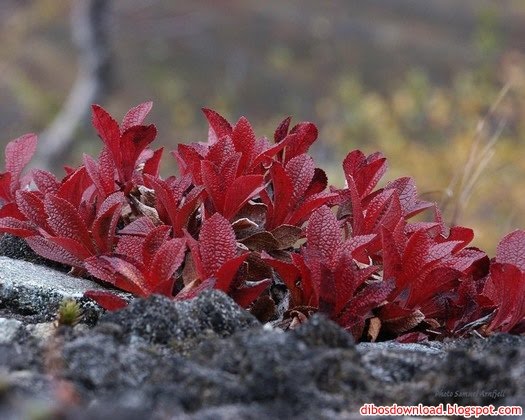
pixel 209 359
pixel 35 290
pixel 181 324
pixel 9 328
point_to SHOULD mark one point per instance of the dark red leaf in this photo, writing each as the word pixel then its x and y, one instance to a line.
pixel 107 300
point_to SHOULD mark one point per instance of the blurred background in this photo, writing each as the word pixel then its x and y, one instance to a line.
pixel 412 79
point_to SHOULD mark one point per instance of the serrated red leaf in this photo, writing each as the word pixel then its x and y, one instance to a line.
pixel 153 242
pixel 16 227
pixel 301 170
pixel 282 194
pixel 104 228
pixel 45 181
pixel 136 115
pixel 511 249
pixel 18 153
pixel 217 244
pixel 108 130
pixel 53 251
pixel 65 221
pixel 306 134
pixel 323 233
pixel 243 138
pixel 219 126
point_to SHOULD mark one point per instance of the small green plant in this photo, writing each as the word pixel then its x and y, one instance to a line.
pixel 69 313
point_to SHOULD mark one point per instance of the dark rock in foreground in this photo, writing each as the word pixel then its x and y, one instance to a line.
pixel 209 359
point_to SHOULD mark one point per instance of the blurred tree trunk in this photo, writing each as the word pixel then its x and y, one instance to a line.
pixel 90 29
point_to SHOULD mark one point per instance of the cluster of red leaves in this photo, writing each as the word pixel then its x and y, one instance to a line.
pixel 256 219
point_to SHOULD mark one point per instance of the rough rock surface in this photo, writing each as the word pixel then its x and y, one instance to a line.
pixel 209 359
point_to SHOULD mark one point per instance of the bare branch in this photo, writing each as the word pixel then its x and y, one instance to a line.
pixel 90 30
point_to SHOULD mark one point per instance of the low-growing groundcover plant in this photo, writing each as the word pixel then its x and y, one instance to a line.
pixel 256 219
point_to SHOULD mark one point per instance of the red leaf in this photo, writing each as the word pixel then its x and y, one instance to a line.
pixel 18 153
pixel 306 134
pixel 245 295
pixel 16 227
pixel 243 189
pixel 407 193
pixel 134 140
pixel 282 130
pixel 365 171
pixel 152 243
pixel 306 208
pixel 282 194
pixel 217 243
pixel 105 226
pixel 219 127
pixel 107 300
pixel 45 181
pixel 244 140
pixel 511 249
pixel 135 116
pixel 32 206
pixel 506 288
pixel 65 221
pixel 167 260
pixel 301 170
pixel 214 184
pixel 226 273
pixel 52 251
pixel 151 166
pixel 323 233
pixel 108 130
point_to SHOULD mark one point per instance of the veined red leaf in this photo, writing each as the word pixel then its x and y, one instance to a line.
pixel 302 213
pixel 16 227
pixel 64 220
pixel 240 191
pixel 32 206
pixel 136 115
pixel 104 228
pixel 18 153
pixel 167 260
pixel 52 251
pixel 45 181
pixel 306 134
pixel 219 126
pixel 323 233
pixel 301 170
pixel 244 140
pixel 108 130
pixel 153 242
pixel 217 243
pixel 511 249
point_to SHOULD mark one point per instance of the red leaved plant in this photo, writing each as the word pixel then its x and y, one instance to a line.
pixel 250 217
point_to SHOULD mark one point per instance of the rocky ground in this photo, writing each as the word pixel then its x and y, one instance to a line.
pixel 209 359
